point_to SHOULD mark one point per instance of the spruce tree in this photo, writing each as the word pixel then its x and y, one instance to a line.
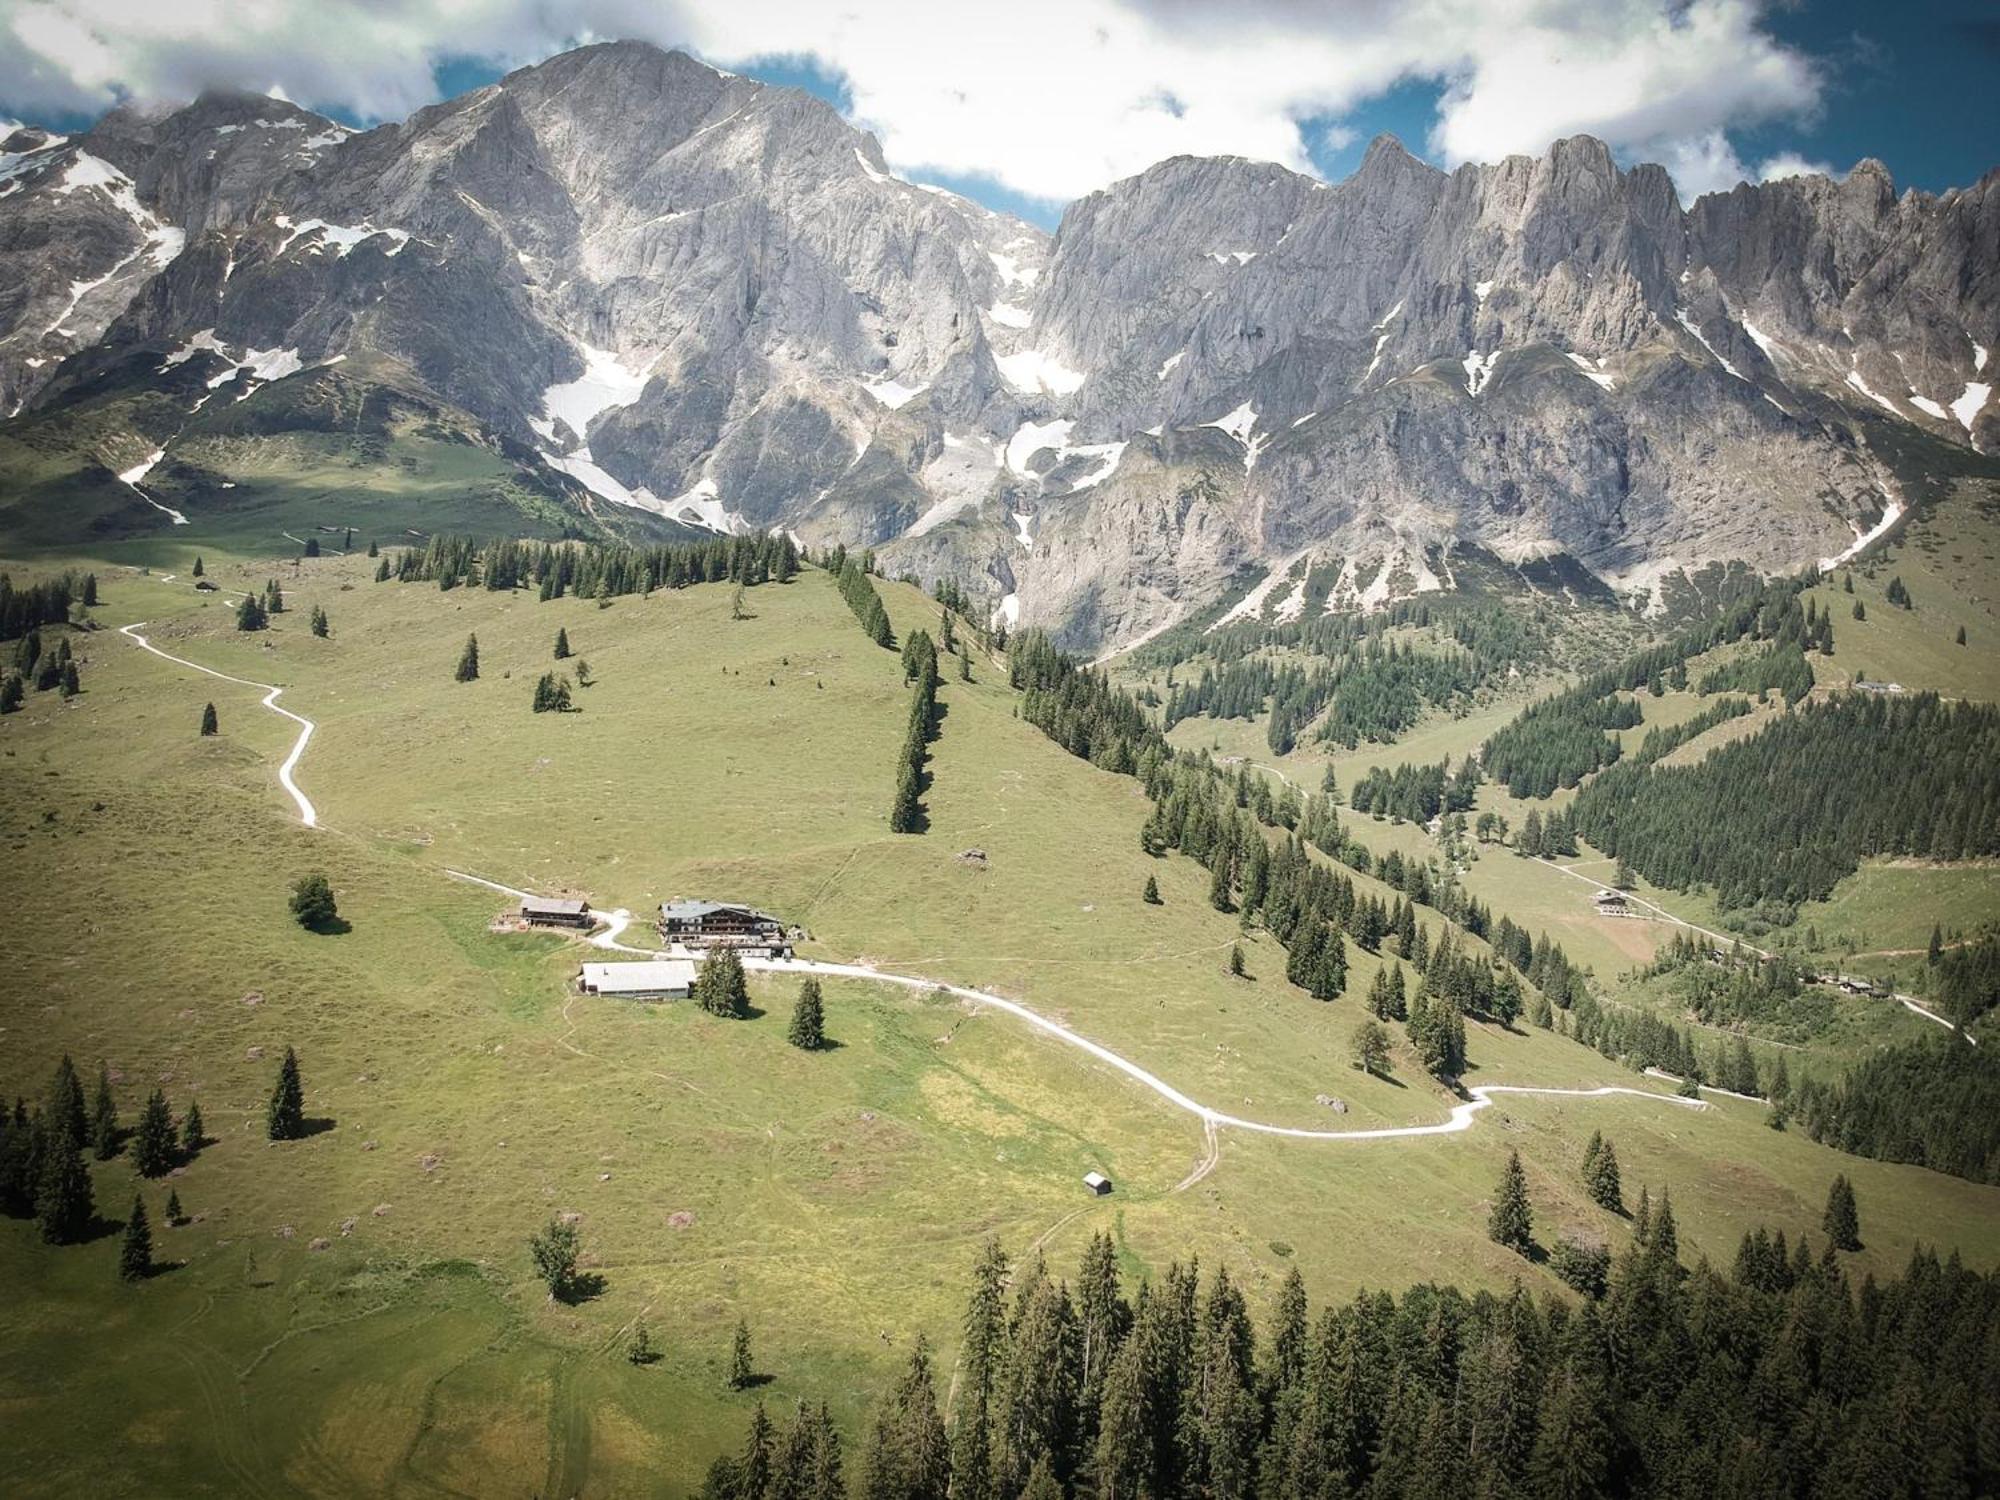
pixel 135 1254
pixel 468 661
pixel 318 622
pixel 71 685
pixel 720 989
pixel 193 1134
pixel 197 565
pixel 381 568
pixel 209 724
pixel 12 691
pixel 174 1214
pixel 641 1351
pixel 1842 1221
pixel 1151 894
pixel 65 1116
pixel 64 1205
pixel 374 549
pixel 312 546
pixel 153 1143
pixel 285 1118
pixel 1371 1048
pixel 1511 1223
pixel 742 1371
pixel 1236 960
pixel 104 1118
pixel 1935 950
pixel 1600 1174
pixel 562 644
pixel 250 615
pixel 808 1030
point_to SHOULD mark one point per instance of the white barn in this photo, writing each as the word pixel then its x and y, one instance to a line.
pixel 646 979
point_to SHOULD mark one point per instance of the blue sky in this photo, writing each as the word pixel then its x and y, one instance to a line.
pixel 1028 106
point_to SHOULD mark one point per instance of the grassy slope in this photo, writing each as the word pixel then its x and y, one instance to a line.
pixel 836 1198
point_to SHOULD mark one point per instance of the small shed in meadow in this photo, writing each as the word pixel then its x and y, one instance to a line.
pixel 1097 1182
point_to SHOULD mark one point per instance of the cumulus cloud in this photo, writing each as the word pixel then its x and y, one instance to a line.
pixel 1050 98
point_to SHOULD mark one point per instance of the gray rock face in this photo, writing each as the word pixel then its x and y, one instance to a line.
pixel 708 297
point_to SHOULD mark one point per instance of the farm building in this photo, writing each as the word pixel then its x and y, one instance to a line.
pixel 719 924
pixel 541 911
pixel 646 979
pixel 1611 903
pixel 1097 1182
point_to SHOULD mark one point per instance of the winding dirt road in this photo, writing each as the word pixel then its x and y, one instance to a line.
pixel 308 814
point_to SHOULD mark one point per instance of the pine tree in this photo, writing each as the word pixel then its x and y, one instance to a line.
pixel 720 989
pixel 312 546
pixel 468 661
pixel 174 1214
pixel 318 622
pixel 562 644
pixel 641 1351
pixel 197 565
pixel 374 549
pixel 285 1119
pixel 64 1205
pixel 1860 610
pixel 909 1454
pixel 1935 950
pixel 552 694
pixel 104 1118
pixel 71 685
pixel 1600 1175
pixel 65 1106
pixel 193 1134
pixel 153 1143
pixel 1235 960
pixel 1511 1222
pixel 209 724
pixel 135 1255
pixel 1842 1222
pixel 742 1371
pixel 12 691
pixel 381 568
pixel 251 615
pixel 808 1030
pixel 1151 894
pixel 1960 639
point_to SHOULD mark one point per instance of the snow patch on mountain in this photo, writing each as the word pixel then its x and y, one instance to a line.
pixel 1478 370
pixel 339 238
pixel 1241 424
pixel 893 393
pixel 1891 514
pixel 1681 317
pixel 1034 373
pixel 1011 270
pixel 1007 315
pixel 1854 379
pixel 1925 404
pixel 1592 370
pixel 606 384
pixel 1972 400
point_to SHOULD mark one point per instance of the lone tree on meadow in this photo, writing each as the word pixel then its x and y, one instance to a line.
pixel 1600 1174
pixel 153 1143
pixel 135 1255
pixel 174 1213
pixel 193 1134
pixel 562 644
pixel 285 1119
pixel 808 1018
pixel 555 1248
pixel 742 1370
pixel 1371 1048
pixel 312 902
pixel 197 565
pixel 720 989
pixel 468 661
pixel 1151 894
pixel 1512 1222
pixel 209 723
pixel 1843 1221
pixel 318 621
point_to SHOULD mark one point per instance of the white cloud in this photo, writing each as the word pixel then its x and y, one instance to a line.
pixel 1051 98
pixel 1791 164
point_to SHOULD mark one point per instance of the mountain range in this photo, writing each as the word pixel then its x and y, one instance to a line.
pixel 658 295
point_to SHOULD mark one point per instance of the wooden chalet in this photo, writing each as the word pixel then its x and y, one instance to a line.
pixel 720 924
pixel 543 911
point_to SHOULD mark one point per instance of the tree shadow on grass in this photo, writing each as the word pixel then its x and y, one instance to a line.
pixel 313 1125
pixel 585 1286
pixel 331 927
pixel 753 1382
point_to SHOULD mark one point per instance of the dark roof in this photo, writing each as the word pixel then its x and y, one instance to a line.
pixel 688 910
pixel 550 907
